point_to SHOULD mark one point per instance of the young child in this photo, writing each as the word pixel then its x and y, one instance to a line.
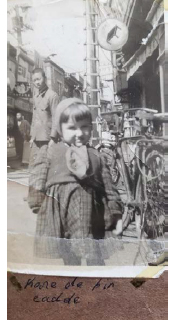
pixel 80 201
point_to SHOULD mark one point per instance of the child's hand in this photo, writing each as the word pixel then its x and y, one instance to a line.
pixel 31 143
pixel 119 229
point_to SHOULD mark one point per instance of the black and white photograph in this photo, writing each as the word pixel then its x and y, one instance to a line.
pixel 87 136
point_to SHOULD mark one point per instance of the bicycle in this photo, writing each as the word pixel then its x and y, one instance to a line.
pixel 145 176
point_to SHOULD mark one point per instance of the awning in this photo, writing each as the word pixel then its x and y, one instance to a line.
pixel 140 56
pixel 150 43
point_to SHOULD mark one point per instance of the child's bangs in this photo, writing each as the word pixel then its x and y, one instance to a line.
pixel 77 112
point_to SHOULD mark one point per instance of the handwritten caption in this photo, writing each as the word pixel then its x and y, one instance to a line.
pixel 64 296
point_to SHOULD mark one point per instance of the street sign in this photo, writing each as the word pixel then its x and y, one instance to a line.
pixel 112 34
pixel 22 89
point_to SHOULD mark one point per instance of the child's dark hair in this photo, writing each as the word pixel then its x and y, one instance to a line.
pixel 77 112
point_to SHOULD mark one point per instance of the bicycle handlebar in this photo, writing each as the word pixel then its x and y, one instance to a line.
pixel 142 138
pixel 129 110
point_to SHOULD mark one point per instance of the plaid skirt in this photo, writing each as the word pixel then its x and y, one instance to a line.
pixel 70 217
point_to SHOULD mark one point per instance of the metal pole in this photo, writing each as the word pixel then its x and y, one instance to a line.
pixel 18 26
pixel 93 69
pixel 114 73
pixel 92 64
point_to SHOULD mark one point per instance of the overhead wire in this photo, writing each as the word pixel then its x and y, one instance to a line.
pixel 106 56
pixel 101 67
pixel 100 10
pixel 118 10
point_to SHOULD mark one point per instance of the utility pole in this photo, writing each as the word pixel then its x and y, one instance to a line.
pixel 114 74
pixel 92 39
pixel 18 25
pixel 92 67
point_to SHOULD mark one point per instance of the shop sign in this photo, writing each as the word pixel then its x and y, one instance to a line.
pixel 22 89
pixel 112 34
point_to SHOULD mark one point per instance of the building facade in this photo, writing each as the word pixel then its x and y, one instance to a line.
pixel 19 71
pixel 142 82
pixel 11 79
pixel 20 65
pixel 25 66
pixel 147 66
pixel 55 76
pixel 19 76
pixel 140 66
pixel 72 86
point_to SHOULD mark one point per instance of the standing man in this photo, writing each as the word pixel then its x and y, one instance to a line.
pixel 45 101
pixel 43 133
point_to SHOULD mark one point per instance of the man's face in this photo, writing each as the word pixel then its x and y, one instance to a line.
pixel 19 116
pixel 38 80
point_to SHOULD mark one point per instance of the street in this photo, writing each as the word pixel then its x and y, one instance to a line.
pixel 21 230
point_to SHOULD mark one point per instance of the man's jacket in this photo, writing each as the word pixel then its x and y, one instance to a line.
pixel 44 105
pixel 24 129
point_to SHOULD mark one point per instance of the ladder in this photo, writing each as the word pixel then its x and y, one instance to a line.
pixel 92 89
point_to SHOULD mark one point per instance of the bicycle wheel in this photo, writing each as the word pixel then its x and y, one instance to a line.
pixel 157 194
pixel 115 173
pixel 113 165
pixel 139 212
pixel 151 218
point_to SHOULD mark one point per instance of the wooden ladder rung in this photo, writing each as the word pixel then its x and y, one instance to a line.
pixel 91 59
pixel 91 44
pixel 94 106
pixel 93 74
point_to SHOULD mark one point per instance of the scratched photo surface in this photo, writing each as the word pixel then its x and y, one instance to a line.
pixel 87 133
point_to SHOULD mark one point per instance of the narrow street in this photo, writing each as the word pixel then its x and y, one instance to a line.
pixel 21 230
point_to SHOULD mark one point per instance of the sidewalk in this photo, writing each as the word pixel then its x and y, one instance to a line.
pixel 13 163
pixel 17 172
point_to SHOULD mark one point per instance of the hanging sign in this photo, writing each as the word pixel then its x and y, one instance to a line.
pixel 112 34
pixel 22 89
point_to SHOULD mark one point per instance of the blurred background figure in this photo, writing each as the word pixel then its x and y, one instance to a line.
pixel 22 137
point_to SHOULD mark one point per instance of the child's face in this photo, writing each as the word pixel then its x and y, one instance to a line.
pixel 76 133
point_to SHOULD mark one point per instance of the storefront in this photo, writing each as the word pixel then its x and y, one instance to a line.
pixel 11 152
pixel 11 79
pixel 25 107
pixel 15 105
pixel 146 68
